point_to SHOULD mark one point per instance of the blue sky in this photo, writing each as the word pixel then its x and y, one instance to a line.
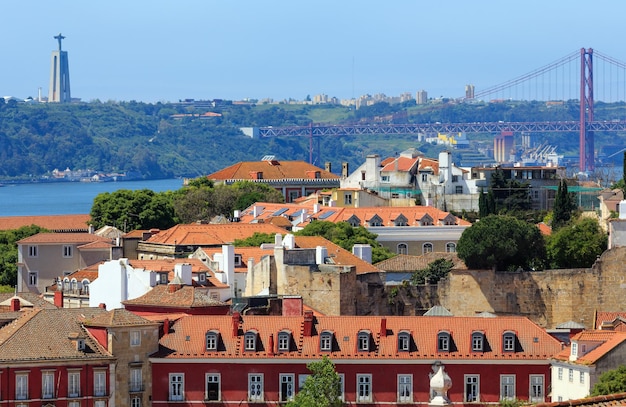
pixel 169 50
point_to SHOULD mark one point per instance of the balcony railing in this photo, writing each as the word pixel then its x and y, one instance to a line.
pixel 135 387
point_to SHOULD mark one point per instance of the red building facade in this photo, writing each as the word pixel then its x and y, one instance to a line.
pixel 249 360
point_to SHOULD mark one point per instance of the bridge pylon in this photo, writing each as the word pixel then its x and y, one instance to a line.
pixel 586 154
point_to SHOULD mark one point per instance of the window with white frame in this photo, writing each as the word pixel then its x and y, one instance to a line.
pixel 211 340
pixel 67 251
pixel 100 383
pixel 471 389
pixel 33 251
pixel 574 349
pixel 427 248
pixel 73 403
pixel 73 384
pixel 286 387
pixel 21 386
pixel 162 278
pixel 326 341
pixel 32 278
pixel 47 385
pixel 284 339
pixel 403 248
pixel 103 403
pixel 250 341
pixel 364 388
pixel 507 387
pixel 85 284
pixel 135 401
pixel 135 338
pixel 255 387
pixel 347 198
pixel 581 377
pixel 443 342
pixel 405 388
pixel 458 189
pixel 384 178
pixel 424 177
pixel 559 373
pixel 364 341
pixel 177 387
pixel 536 393
pixel 477 341
pixel 404 342
pixel 508 342
pixel 450 247
pixel 213 388
pixel 136 379
pixel 570 375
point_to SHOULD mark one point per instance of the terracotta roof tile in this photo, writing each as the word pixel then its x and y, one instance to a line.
pixel 408 263
pixel 117 317
pixel 58 238
pixel 185 297
pixel 21 340
pixel 53 223
pixel 187 339
pixel 272 170
pixel 210 235
pixel 618 399
pixel 27 299
pixel 608 340
pixel 400 164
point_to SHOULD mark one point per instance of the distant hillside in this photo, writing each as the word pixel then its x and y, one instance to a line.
pixel 129 136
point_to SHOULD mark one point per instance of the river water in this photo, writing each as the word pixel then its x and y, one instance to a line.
pixel 64 198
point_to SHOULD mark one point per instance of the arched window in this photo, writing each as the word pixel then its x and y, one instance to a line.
pixel 478 342
pixel 284 341
pixel 250 341
pixel 450 247
pixel 403 248
pixel 508 341
pixel 364 341
pixel 212 340
pixel 85 284
pixel 74 285
pixel 427 248
pixel 326 341
pixel 66 284
pixel 404 342
pixel 443 341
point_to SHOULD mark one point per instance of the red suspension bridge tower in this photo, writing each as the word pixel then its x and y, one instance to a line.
pixel 586 155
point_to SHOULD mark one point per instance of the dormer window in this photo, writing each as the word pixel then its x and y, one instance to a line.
pixel 401 221
pixel 426 221
pixel 443 341
pixel 508 342
pixel 404 342
pixel 376 221
pixel 238 260
pixel 354 221
pixel 250 339
pixel 212 339
pixel 478 341
pixel 363 341
pixel 162 278
pixel 326 341
pixel 284 340
pixel 202 277
pixel 80 344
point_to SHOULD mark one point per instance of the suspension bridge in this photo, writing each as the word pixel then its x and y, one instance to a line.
pixel 570 78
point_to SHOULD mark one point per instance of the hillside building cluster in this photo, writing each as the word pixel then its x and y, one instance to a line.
pixel 182 316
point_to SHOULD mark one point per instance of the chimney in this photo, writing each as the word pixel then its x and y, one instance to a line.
pixel 166 326
pixel 327 166
pixel 344 170
pixel 236 317
pixel 91 229
pixel 289 242
pixel 292 306
pixel 228 255
pixel 302 215
pixel 255 211
pixel 321 253
pixel 15 304
pixel 270 346
pixel 58 299
pixel 102 305
pixel 383 327
pixel 316 208
pixel 278 240
pixel 308 324
pixel 236 215
pixel 363 252
pixel 183 271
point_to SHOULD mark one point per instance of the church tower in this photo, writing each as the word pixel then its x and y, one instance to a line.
pixel 59 75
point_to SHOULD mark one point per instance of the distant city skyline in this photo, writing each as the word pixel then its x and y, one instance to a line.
pixel 165 51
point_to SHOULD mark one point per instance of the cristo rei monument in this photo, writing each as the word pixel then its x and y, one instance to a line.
pixel 59 90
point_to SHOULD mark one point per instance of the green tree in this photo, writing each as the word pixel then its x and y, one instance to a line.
pixel 434 271
pixel 483 206
pixel 610 382
pixel 509 195
pixel 346 236
pixel 564 205
pixel 576 245
pixel 322 388
pixel 128 210
pixel 502 242
pixel 8 252
pixel 256 240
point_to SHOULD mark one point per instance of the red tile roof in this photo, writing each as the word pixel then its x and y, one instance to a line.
pixel 53 223
pixel 184 297
pixel 22 340
pixel 210 235
pixel 399 164
pixel 408 263
pixel 612 320
pixel 609 341
pixel 187 338
pixel 272 170
pixel 60 238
